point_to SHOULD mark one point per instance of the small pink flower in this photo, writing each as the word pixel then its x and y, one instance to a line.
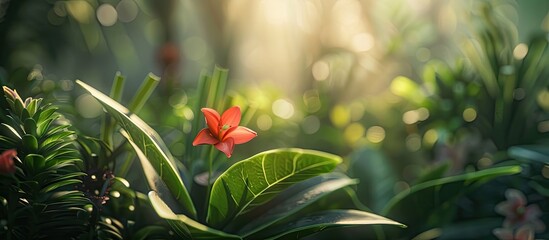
pixel 523 233
pixel 516 212
pixel 7 165
pixel 223 131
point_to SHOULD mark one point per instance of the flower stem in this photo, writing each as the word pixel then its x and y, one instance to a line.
pixel 208 185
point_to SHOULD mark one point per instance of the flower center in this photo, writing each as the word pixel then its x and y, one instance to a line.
pixel 225 127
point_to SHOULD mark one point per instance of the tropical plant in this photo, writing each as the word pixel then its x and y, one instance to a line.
pixel 40 194
pixel 245 201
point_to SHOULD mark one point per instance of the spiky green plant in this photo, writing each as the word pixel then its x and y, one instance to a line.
pixel 39 200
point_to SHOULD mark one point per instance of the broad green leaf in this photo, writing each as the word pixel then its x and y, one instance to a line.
pixel 258 179
pixel 531 152
pixel 322 220
pixel 413 207
pixel 296 198
pixel 150 144
pixel 189 228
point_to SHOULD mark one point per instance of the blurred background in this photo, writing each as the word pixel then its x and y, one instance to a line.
pixel 415 84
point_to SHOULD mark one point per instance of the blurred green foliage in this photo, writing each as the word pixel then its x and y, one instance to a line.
pixel 452 87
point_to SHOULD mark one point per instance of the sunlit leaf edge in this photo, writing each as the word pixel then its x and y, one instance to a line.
pixel 120 113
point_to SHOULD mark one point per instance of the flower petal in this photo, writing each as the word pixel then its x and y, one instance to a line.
pixel 231 117
pixel 226 146
pixel 240 134
pixel 205 137
pixel 212 119
pixel 516 197
pixel 524 233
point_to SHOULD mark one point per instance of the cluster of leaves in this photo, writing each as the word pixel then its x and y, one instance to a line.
pixel 495 99
pixel 40 195
pixel 269 195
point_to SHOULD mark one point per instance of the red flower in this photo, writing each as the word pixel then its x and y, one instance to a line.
pixel 7 165
pixel 223 131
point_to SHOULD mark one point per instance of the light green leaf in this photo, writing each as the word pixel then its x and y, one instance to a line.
pixel 185 226
pixel 150 144
pixel 322 220
pixel 258 179
pixel 413 207
pixel 296 198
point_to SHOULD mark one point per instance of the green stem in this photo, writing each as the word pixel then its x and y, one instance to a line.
pixel 208 185
pixel 107 123
pixel 144 92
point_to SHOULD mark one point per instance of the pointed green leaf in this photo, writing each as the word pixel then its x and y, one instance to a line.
pixel 323 220
pixel 258 179
pixel 148 141
pixel 413 207
pixel 190 228
pixel 296 198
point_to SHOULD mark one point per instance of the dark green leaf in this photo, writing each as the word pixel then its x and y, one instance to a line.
pixel 376 176
pixel 193 229
pixel 258 179
pixel 414 206
pixel 296 198
pixel 323 220
pixel 146 139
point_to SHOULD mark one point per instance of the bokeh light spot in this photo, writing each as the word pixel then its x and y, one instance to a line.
pixel 82 11
pixel 520 51
pixel 340 116
pixel 413 142
pixel 115 194
pixel 353 132
pixel 321 70
pixel 543 126
pixel 127 10
pixel 402 86
pixel 375 134
pixel 410 117
pixel 469 114
pixel 107 15
pixel 310 124
pixel 283 108
pixel 430 137
pixel 543 99
pixel 87 106
pixel 545 171
pixel 264 122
